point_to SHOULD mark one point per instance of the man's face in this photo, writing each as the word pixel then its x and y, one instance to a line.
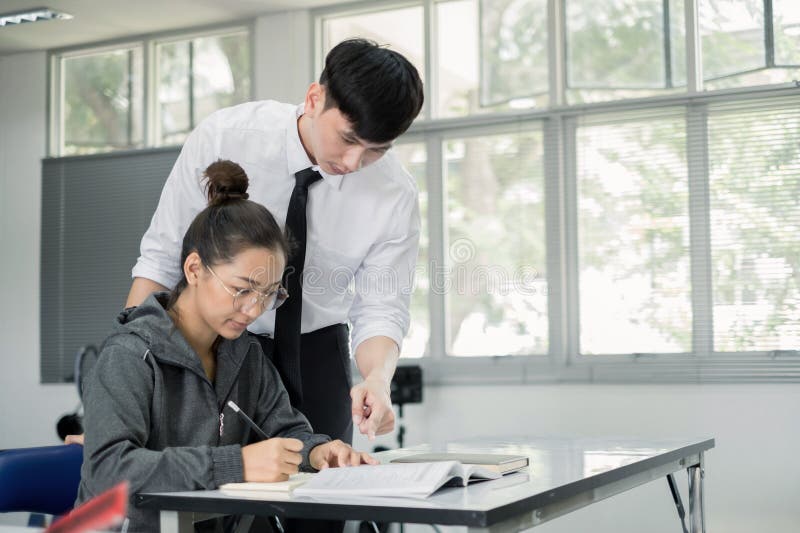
pixel 337 149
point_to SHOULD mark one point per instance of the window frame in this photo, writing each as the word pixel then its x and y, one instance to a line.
pixel 147 43
pixel 564 362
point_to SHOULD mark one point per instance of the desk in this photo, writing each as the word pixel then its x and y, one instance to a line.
pixel 565 475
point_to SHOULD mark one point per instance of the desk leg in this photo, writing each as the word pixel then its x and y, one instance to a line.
pixel 697 519
pixel 175 522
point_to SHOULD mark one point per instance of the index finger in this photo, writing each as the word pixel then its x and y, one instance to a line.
pixel 368 459
pixel 359 397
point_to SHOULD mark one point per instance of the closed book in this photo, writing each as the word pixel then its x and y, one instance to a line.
pixel 255 488
pixel 500 463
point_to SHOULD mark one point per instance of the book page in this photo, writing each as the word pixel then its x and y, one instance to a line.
pixel 417 480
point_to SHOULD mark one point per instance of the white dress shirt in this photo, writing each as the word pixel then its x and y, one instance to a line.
pixel 363 227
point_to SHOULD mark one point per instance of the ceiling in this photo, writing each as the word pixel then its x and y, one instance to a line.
pixel 100 20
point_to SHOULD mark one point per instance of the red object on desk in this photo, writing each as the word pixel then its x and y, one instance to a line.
pixel 104 510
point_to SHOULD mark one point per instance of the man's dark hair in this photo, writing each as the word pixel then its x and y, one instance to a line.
pixel 377 89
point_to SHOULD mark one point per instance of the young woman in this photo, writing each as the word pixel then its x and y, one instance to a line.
pixel 156 401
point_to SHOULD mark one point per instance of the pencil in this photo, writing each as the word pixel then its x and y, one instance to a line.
pixel 247 419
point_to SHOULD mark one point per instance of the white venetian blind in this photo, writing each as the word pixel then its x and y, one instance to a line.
pixel 754 196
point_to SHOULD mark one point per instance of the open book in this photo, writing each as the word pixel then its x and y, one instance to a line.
pixel 417 480
pixel 500 463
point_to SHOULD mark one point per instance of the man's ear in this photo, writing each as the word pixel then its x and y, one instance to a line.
pixel 192 268
pixel 315 98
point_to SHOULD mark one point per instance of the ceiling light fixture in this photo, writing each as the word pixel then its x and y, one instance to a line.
pixel 32 15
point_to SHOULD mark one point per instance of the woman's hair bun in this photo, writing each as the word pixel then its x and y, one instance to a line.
pixel 226 181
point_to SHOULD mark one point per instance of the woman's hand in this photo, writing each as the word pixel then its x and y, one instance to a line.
pixel 74 439
pixel 337 453
pixel 271 460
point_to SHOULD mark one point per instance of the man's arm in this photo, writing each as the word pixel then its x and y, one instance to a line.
pixel 376 358
pixel 141 288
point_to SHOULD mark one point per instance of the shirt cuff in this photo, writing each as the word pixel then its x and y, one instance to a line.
pixel 149 270
pixel 314 440
pixel 392 331
pixel 228 465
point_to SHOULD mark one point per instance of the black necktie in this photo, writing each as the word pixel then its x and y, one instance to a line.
pixel 288 315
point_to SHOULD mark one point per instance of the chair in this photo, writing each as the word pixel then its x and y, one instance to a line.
pixel 40 480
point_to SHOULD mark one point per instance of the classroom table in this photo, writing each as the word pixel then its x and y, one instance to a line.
pixel 565 474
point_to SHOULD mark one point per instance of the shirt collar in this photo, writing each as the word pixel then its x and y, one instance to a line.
pixel 296 156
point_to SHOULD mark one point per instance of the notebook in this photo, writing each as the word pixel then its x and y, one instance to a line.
pixel 502 464
pixel 255 488
pixel 410 480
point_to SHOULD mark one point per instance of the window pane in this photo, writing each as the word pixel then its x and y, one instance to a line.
pixel 496 280
pixel 221 73
pixel 492 55
pixel 102 101
pixel 402 29
pixel 633 236
pixel 414 158
pixel 754 159
pixel 197 77
pixel 732 34
pixel 617 48
pixel 787 31
pixel 173 92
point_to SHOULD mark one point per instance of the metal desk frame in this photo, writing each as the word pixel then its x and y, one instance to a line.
pixel 179 510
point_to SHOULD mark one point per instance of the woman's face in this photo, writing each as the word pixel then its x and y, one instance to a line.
pixel 252 269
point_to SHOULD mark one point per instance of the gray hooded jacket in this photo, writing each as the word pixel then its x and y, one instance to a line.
pixel 152 417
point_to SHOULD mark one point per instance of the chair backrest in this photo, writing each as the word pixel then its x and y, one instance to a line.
pixel 40 480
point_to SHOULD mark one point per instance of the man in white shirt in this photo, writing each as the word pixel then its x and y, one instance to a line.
pixel 362 232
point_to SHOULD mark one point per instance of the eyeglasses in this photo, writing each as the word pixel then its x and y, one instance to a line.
pixel 245 300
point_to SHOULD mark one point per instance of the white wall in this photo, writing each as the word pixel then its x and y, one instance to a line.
pixel 753 476
pixel 30 410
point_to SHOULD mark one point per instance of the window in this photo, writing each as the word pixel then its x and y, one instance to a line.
pixel 624 48
pixel 492 56
pixel 514 63
pixel 749 42
pixel 633 234
pixel 102 101
pixel 199 76
pixel 496 287
pixel 754 160
pixel 592 208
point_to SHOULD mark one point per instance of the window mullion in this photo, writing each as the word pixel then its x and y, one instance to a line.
pixel 556 46
pixel 694 52
pixel 700 229
pixel 570 223
pixel 129 129
pixel 431 55
pixel 667 28
pixel 555 244
pixel 436 249
pixel 150 102
pixel 769 35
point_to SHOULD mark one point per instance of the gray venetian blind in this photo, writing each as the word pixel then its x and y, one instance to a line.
pixel 95 210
